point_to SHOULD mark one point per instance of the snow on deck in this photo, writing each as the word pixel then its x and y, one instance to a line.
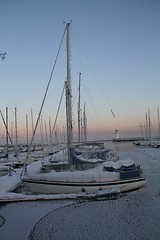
pixel 10 182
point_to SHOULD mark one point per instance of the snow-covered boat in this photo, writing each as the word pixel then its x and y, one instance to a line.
pixel 123 175
pixel 3 170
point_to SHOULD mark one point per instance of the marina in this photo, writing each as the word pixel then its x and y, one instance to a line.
pixel 140 209
pixel 80 120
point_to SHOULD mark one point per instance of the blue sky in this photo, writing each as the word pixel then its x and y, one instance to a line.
pixel 114 44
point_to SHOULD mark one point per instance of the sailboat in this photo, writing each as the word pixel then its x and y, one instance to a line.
pixel 122 174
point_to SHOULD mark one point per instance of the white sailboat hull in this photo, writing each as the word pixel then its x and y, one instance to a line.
pixel 92 180
pixel 52 187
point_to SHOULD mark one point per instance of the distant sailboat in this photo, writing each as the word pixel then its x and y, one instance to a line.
pixel 124 175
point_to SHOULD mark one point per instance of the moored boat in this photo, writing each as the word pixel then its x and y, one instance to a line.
pixel 123 175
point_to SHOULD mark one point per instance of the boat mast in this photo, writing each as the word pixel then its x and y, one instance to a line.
pixel 149 126
pixel 85 124
pixel 27 130
pixel 16 135
pixel 7 131
pixel 69 101
pixel 146 126
pixel 79 109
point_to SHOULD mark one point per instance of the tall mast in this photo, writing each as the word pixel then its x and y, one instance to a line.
pixel 7 130
pixel 79 109
pixel 16 136
pixel 149 125
pixel 81 122
pixel 27 130
pixel 85 124
pixel 146 126
pixel 69 100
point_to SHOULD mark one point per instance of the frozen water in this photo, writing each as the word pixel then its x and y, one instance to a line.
pixel 17 219
pixel 136 215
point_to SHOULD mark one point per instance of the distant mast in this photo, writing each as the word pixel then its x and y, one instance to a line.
pixel 16 135
pixel 69 101
pixel 79 112
pixel 149 125
pixel 85 123
pixel 27 130
pixel 146 126
pixel 7 131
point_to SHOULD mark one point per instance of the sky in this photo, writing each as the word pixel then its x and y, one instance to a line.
pixel 115 46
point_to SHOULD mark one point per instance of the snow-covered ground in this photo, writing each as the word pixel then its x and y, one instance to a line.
pixel 17 219
pixel 133 216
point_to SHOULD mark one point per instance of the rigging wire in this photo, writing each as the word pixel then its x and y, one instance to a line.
pixel 58 111
pixel 96 78
pixel 102 89
pixel 43 101
pixel 87 90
